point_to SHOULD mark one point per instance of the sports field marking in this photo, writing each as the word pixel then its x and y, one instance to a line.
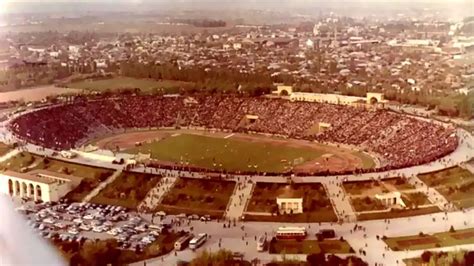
pixel 228 136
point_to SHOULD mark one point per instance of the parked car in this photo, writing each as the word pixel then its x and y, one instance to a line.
pixel 205 218
pixel 193 217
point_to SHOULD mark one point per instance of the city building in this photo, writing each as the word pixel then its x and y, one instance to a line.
pixel 289 203
pixel 391 199
pixel 38 185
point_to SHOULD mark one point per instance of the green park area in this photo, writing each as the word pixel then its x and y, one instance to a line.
pixel 333 246
pixel 127 190
pixel 426 241
pixel 128 83
pixel 197 196
pixel 316 204
pixel 396 213
pixel 456 184
pixel 363 200
pixel 227 153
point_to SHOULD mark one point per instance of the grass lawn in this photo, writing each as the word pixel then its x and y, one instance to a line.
pixel 316 204
pixel 363 193
pixel 456 184
pixel 397 213
pixel 92 175
pixel 443 239
pixel 4 148
pixel 128 190
pixel 373 187
pixel 25 159
pixel 127 82
pixel 415 199
pixel 361 204
pixel 310 246
pixel 197 196
pixel 220 153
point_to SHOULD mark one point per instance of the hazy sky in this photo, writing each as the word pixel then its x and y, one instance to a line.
pixel 242 1
pixel 15 6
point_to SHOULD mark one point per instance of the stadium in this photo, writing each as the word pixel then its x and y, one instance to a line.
pixel 322 161
pixel 237 134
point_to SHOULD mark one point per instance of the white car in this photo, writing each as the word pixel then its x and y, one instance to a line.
pixel 60 225
pixel 78 221
pixel 98 229
pixel 49 220
pixel 108 223
pixel 141 228
pixel 181 216
pixel 85 227
pixel 88 217
pixel 42 227
pixel 193 217
pixel 160 213
pixel 113 232
pixel 73 231
pixel 154 233
pixel 205 218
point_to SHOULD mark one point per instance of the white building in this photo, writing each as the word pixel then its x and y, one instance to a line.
pixel 289 203
pixel 39 185
pixel 391 199
pixel 237 46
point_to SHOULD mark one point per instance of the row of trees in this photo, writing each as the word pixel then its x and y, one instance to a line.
pixel 204 23
pixel 226 257
pixel 223 80
pixel 453 258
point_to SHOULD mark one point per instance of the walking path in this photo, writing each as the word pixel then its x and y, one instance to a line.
pixel 365 238
pixel 101 186
pixel 9 155
pixel 155 195
pixel 239 199
pixel 340 201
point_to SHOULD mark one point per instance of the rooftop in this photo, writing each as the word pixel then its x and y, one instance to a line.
pixel 44 176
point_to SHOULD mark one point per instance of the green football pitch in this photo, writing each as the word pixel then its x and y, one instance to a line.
pixel 228 153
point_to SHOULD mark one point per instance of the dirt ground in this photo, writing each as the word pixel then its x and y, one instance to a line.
pixel 334 158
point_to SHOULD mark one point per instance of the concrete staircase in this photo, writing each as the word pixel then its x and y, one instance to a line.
pixel 340 201
pixel 155 195
pixel 239 199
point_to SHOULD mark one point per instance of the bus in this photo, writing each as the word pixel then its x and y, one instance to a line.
pixel 261 243
pixel 183 242
pixel 291 233
pixel 197 241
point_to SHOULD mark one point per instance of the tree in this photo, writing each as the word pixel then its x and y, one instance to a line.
pixel 220 257
pixel 451 229
pixel 426 256
pixel 316 259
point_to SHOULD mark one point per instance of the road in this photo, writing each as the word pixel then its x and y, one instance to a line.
pixel 375 250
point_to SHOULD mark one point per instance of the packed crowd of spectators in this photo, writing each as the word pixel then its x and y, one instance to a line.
pixel 401 140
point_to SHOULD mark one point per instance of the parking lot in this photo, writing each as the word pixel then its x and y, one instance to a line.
pixel 78 222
